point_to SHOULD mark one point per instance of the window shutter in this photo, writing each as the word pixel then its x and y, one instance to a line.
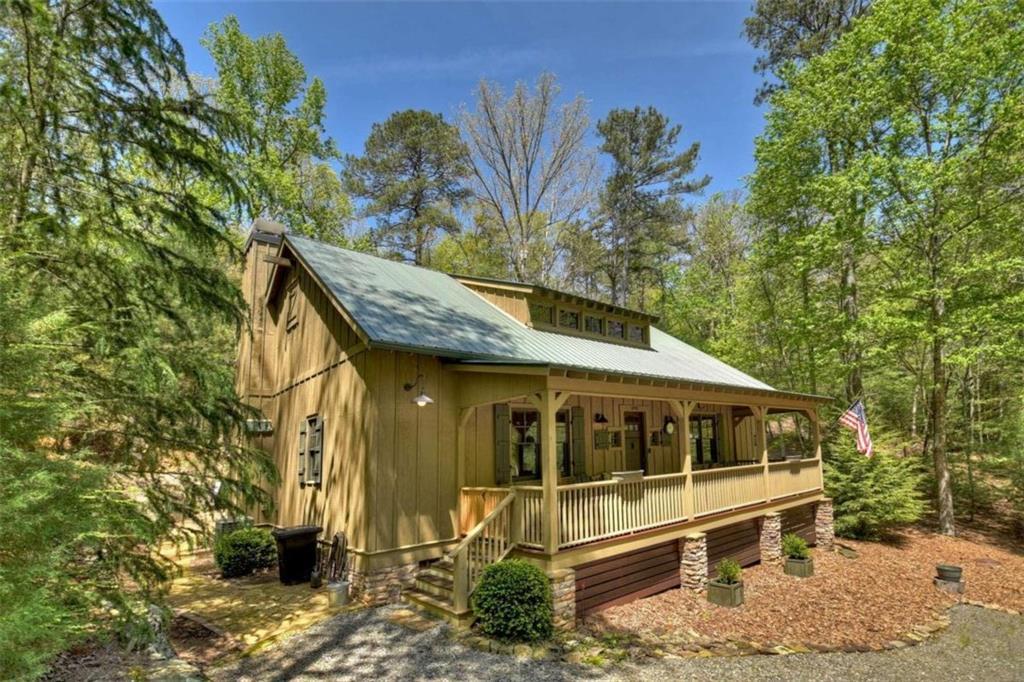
pixel 318 453
pixel 302 453
pixel 579 445
pixel 502 447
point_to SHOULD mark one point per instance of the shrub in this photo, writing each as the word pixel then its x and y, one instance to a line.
pixel 513 602
pixel 729 571
pixel 244 551
pixel 794 546
pixel 872 494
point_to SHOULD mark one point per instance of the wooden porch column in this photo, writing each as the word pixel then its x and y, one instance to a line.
pixel 816 430
pixel 460 465
pixel 761 443
pixel 548 403
pixel 683 409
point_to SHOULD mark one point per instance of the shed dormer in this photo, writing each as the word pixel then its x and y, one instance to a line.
pixel 560 312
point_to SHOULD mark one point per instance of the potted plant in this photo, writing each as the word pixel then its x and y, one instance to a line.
pixel 727 588
pixel 798 557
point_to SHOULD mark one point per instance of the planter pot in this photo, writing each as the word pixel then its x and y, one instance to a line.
pixel 950 574
pixel 725 594
pixel 337 593
pixel 314 579
pixel 801 568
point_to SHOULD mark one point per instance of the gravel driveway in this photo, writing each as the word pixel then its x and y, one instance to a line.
pixel 979 645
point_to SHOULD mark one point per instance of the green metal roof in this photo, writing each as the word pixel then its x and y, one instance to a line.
pixel 405 307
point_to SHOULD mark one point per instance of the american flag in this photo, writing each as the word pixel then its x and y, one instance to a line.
pixel 855 420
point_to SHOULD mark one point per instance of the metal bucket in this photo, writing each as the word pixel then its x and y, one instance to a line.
pixel 337 593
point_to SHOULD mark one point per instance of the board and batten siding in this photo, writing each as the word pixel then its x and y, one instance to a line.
pixel 389 465
pixel 411 478
pixel 320 366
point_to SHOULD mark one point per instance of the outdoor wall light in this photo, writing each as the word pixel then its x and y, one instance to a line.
pixel 422 399
pixel 599 418
pixel 670 425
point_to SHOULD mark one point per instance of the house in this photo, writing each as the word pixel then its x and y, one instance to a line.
pixel 445 422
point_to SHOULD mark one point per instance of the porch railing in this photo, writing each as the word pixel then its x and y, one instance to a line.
pixel 604 509
pixel 588 512
pixel 793 477
pixel 476 503
pixel 486 543
pixel 719 490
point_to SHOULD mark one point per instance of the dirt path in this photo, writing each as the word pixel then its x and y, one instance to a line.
pixel 979 645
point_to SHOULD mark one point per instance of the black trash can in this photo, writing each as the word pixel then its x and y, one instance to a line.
pixel 296 553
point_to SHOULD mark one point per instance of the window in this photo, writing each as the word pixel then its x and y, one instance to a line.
pixel 292 314
pixel 704 439
pixel 311 453
pixel 636 333
pixel 525 444
pixel 616 329
pixel 594 325
pixel 569 318
pixel 541 313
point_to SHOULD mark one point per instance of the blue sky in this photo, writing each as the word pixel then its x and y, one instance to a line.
pixel 688 59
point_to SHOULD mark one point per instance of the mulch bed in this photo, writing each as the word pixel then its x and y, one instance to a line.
pixel 869 601
pixel 197 643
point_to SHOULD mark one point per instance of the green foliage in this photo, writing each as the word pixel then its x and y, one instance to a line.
pixel 513 602
pixel 872 494
pixel 119 420
pixel 411 176
pixel 729 572
pixel 282 156
pixel 244 551
pixel 794 546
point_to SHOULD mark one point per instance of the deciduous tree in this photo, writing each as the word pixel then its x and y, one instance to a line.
pixel 533 173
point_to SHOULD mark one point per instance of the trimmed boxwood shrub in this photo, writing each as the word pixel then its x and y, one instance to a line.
pixel 244 551
pixel 512 602
pixel 794 546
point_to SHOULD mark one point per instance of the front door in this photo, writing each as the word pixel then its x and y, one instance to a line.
pixel 636 441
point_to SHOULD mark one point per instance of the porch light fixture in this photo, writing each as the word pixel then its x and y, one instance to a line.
pixel 599 418
pixel 670 425
pixel 422 399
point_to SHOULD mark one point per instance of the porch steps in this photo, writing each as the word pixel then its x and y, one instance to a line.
pixel 432 593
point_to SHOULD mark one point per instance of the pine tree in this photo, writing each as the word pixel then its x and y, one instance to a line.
pixel 411 176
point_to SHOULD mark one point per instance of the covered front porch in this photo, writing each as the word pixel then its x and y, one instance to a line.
pixel 703 455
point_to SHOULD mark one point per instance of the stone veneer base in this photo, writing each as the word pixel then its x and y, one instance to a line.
pixel 383 586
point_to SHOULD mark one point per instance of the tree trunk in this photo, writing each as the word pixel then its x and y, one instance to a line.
pixel 944 489
pixel 851 353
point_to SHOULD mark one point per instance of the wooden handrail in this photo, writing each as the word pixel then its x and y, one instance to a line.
pixel 479 528
pixel 486 543
pixel 718 470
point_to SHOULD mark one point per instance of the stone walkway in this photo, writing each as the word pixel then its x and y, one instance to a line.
pixel 979 645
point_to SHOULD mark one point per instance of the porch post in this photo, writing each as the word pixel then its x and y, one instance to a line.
pixel 762 446
pixel 460 466
pixel 816 428
pixel 548 403
pixel 683 409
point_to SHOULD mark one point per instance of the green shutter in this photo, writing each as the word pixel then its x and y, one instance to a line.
pixel 317 457
pixel 579 445
pixel 502 447
pixel 302 453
